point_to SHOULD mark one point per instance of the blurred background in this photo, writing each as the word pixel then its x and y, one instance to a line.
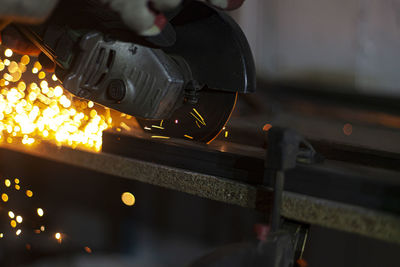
pixel 351 46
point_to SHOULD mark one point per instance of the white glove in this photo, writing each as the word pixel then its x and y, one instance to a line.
pixel 145 16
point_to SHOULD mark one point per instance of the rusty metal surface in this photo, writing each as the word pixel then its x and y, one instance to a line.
pixel 298 207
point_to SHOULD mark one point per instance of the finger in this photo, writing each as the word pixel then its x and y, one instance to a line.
pixel 139 16
pixel 135 14
pixel 227 4
pixel 146 19
pixel 13 39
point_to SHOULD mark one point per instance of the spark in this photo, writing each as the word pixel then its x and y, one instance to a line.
pixel 11 214
pixel 87 249
pixel 90 104
pixel 347 129
pixel 16 180
pixel 40 212
pixel 7 182
pixel 39 111
pixel 42 75
pixel 17 187
pixel 13 223
pixel 147 128
pixel 128 198
pixel 226 134
pixel 160 137
pixel 188 136
pixel 198 119
pixel 158 127
pixel 37 65
pixel 42 228
pixel 198 125
pixel 18 232
pixel 1 235
pixel 29 193
pixel 57 236
pixel 176 121
pixel 198 114
pixel 8 52
pixel 19 219
pixel 25 59
pixel 267 127
pixel 161 123
pixel 4 197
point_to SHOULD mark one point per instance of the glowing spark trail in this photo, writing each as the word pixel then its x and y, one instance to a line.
pixel 188 136
pixel 34 109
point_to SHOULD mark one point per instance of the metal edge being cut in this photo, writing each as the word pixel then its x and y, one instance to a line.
pixel 311 210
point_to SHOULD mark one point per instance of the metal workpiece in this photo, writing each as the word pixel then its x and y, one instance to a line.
pixel 131 78
pixel 299 207
pixel 335 215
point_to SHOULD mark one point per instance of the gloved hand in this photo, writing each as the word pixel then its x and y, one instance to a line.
pixel 145 16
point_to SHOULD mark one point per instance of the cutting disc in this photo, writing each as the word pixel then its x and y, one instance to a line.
pixel 200 122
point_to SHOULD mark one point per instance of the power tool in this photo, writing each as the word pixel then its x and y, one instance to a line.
pixel 185 80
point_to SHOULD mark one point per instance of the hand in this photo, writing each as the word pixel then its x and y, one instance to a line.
pixel 146 16
pixel 142 16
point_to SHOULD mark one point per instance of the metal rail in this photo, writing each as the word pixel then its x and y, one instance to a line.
pixel 299 207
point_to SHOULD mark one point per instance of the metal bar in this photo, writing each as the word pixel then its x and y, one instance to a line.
pixel 298 207
pixel 336 181
pixel 277 204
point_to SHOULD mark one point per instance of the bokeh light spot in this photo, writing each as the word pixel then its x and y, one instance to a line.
pixel 128 199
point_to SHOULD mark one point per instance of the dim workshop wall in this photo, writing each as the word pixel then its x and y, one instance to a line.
pixel 351 44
